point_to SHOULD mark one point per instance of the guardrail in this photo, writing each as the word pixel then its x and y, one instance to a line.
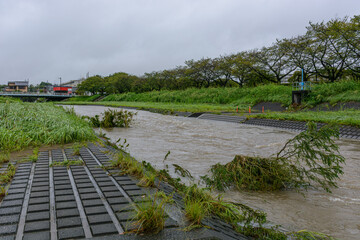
pixel 27 94
pixel 301 86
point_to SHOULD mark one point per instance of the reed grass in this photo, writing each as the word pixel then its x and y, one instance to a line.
pixel 346 117
pixel 25 125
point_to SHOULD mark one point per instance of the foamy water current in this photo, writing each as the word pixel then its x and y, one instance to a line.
pixel 197 144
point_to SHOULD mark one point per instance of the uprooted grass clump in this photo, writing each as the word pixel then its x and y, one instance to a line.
pixel 112 118
pixel 309 159
pixel 149 216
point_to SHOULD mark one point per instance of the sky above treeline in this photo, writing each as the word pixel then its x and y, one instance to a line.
pixel 42 40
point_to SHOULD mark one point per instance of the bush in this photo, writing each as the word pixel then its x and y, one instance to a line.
pixel 112 118
pixel 310 158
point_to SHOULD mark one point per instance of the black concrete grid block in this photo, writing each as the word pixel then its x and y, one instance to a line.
pixel 37 216
pixel 131 187
pixel 84 185
pixel 39 188
pixel 100 175
pixel 43 179
pixel 15 190
pixel 102 229
pixel 63 178
pixel 21 181
pixel 87 190
pixel 86 196
pixel 72 212
pixel 62 182
pixel 10 210
pixel 12 203
pixel 125 182
pixel 37 226
pixel 125 216
pixel 85 180
pixel 60 169
pixel 8 229
pixel 37 235
pixel 64 192
pixel 66 233
pixel 65 198
pixel 117 200
pixel 8 237
pixel 123 178
pixel 82 176
pixel 38 207
pixel 39 184
pixel 135 192
pixel 9 219
pixel 109 188
pixel 92 202
pixel 41 175
pixel 39 194
pixel 59 175
pixel 102 179
pixel 122 207
pixel 39 200
pixel 113 194
pixel 95 210
pixel 68 222
pixel 63 187
pixel 65 205
pixel 19 185
pixel 106 183
pixel 99 218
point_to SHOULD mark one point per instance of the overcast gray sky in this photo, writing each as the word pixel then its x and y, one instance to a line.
pixel 46 39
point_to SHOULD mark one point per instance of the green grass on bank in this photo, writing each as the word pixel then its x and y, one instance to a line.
pixel 342 91
pixel 232 96
pixel 171 107
pixel 83 98
pixel 347 117
pixel 33 124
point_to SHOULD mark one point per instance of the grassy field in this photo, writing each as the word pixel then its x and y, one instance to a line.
pixel 347 117
pixel 25 125
pixel 343 91
pixel 171 107
pixel 232 96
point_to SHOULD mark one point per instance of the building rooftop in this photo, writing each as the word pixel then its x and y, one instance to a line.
pixel 19 83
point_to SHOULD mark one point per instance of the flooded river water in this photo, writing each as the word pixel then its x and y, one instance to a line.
pixel 197 144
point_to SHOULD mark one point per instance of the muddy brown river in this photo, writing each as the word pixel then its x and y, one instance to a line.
pixel 197 144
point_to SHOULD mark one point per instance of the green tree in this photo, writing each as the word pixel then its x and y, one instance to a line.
pixel 94 85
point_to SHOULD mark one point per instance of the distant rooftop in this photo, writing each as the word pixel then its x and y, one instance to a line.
pixel 19 83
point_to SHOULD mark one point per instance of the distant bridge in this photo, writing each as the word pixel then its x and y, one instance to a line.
pixel 53 97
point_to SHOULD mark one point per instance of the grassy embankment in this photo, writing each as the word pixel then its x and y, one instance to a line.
pixel 228 99
pixel 24 125
pixel 197 100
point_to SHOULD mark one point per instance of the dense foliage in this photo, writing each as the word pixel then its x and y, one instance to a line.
pixel 33 124
pixel 266 93
pixel 328 51
pixel 310 158
pixel 112 118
